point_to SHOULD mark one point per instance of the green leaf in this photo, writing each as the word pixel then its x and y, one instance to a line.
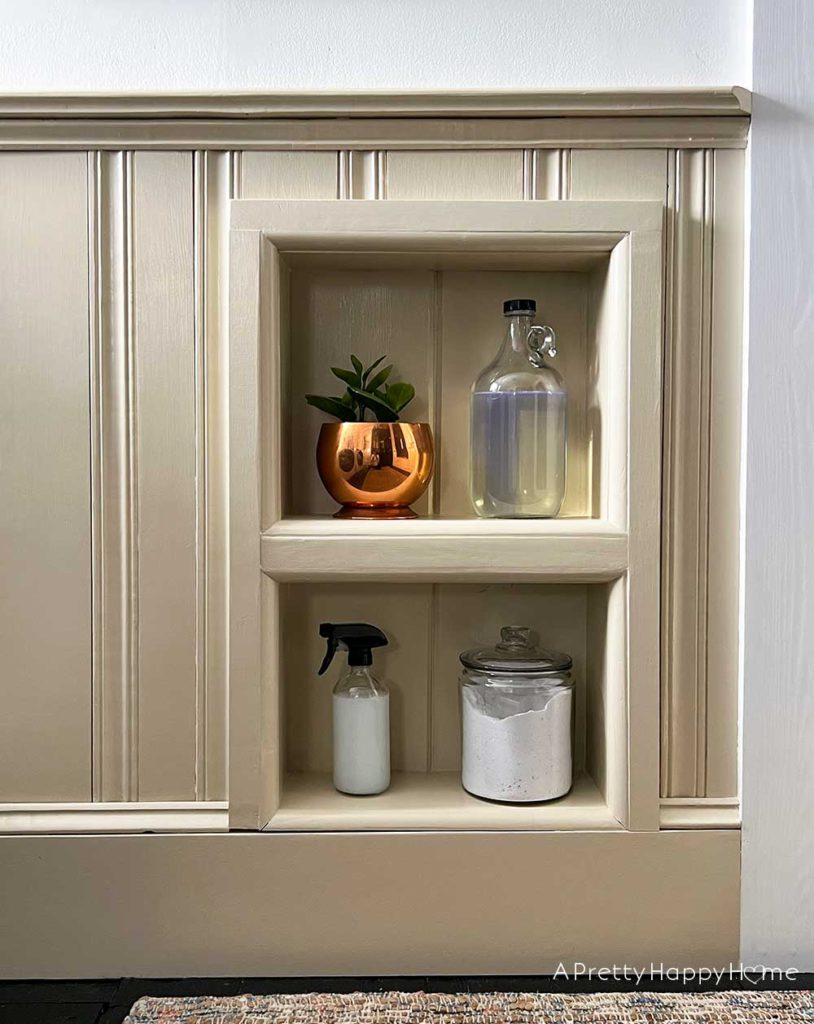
pixel 379 379
pixel 357 413
pixel 347 376
pixel 357 365
pixel 333 407
pixel 400 394
pixel 369 370
pixel 380 409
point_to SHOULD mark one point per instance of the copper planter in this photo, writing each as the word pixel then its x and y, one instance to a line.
pixel 375 470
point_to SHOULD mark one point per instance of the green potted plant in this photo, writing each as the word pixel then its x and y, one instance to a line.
pixel 370 461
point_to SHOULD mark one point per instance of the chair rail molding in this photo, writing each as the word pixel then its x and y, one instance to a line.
pixel 721 102
pixel 365 121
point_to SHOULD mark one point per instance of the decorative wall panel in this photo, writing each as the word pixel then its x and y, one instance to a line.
pixel 288 175
pixel 114 431
pixel 45 542
pixel 489 174
pixel 703 321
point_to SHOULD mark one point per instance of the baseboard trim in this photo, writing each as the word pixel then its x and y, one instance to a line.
pixel 370 904
pixel 700 812
pixel 113 818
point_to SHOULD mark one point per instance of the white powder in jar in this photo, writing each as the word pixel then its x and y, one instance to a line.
pixel 524 756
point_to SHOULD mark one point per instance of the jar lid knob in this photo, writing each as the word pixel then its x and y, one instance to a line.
pixel 514 637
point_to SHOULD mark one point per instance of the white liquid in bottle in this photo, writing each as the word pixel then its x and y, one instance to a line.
pixel 361 738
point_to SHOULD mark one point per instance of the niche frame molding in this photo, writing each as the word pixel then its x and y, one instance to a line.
pixel 629 234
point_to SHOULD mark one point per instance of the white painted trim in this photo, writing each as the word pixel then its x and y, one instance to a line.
pixel 700 812
pixel 107 818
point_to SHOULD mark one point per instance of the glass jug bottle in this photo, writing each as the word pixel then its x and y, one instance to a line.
pixel 518 423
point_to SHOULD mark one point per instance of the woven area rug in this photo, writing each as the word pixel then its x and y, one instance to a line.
pixel 485 1008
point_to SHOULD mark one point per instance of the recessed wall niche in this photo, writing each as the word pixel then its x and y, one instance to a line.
pixel 424 283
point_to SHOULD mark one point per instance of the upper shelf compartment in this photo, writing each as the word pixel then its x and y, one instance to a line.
pixel 423 283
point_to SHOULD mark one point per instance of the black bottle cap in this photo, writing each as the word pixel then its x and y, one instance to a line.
pixel 357 638
pixel 519 307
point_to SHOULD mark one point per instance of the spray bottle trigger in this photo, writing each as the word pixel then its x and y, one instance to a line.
pixel 329 654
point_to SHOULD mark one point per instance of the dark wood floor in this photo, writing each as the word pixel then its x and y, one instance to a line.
pixel 106 1002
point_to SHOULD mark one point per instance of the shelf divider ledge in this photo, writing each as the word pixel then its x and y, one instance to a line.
pixel 310 548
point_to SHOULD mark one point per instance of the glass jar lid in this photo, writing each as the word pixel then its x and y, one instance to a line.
pixel 518 651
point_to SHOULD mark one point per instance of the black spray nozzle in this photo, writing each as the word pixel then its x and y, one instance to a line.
pixel 357 638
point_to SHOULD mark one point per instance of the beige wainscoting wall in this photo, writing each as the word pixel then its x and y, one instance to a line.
pixel 114 248
pixel 114 537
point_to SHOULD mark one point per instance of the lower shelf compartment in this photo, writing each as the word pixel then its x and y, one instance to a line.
pixel 435 801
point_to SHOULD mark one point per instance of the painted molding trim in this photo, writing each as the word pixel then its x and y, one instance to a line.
pixel 331 132
pixel 114 509
pixel 263 231
pixel 689 118
pixel 700 812
pixel 107 818
pixel 701 479
pixel 720 102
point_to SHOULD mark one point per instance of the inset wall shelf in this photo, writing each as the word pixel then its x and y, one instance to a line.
pixel 314 281
pixel 318 548
pixel 436 800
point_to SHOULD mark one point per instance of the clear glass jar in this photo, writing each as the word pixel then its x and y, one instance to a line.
pixel 516 711
pixel 518 423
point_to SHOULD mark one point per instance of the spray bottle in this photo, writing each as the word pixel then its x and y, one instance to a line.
pixel 361 710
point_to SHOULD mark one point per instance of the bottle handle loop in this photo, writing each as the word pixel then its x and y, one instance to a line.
pixel 541 341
